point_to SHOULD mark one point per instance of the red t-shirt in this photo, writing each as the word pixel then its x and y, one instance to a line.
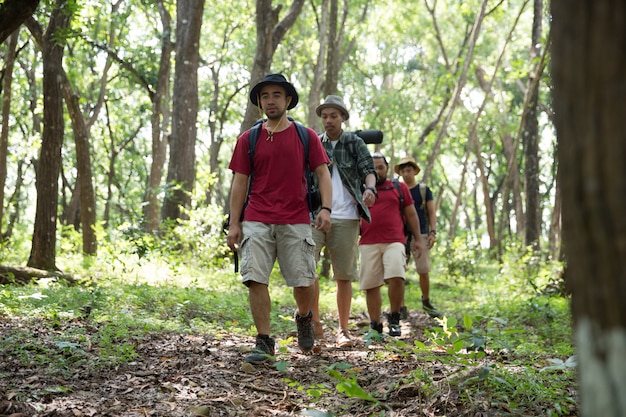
pixel 387 225
pixel 278 194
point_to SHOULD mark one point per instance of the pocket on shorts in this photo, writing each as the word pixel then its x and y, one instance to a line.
pixel 245 259
pixel 308 257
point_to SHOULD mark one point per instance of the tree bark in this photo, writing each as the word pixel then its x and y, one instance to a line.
pixel 84 186
pixel 160 122
pixel 269 34
pixel 43 250
pixel 13 13
pixel 588 62
pixel 530 137
pixel 182 163
pixel 9 64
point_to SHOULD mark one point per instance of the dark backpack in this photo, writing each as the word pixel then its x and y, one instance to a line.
pixel 313 195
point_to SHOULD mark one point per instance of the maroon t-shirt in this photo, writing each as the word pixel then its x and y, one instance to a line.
pixel 278 194
pixel 387 225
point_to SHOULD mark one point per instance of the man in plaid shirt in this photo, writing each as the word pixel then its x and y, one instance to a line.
pixel 354 190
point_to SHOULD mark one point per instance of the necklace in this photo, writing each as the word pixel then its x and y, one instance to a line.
pixel 270 132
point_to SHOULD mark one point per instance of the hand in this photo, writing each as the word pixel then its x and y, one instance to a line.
pixel 233 238
pixel 369 198
pixel 322 221
pixel 416 248
pixel 431 240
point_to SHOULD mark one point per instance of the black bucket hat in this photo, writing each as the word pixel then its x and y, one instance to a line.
pixel 275 79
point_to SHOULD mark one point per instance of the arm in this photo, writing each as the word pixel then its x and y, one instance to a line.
pixel 410 214
pixel 238 194
pixel 322 221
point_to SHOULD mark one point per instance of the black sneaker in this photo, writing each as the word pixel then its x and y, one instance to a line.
pixel 431 310
pixel 374 325
pixel 404 313
pixel 263 351
pixel 394 324
pixel 306 335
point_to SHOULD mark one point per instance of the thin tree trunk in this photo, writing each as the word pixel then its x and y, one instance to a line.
pixel 318 70
pixel 160 122
pixel 9 64
pixel 84 187
pixel 457 92
pixel 530 137
pixel 269 34
pixel 488 201
pixel 588 62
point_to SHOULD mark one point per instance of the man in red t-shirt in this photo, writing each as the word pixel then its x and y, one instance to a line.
pixel 276 220
pixel 381 248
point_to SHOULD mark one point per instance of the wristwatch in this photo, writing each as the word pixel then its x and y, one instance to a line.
pixel 372 189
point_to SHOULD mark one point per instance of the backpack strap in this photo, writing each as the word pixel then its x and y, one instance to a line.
pixel 396 186
pixel 423 194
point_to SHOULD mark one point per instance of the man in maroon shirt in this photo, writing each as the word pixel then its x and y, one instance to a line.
pixel 276 222
pixel 381 248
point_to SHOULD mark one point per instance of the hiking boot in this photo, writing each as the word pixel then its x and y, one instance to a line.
pixel 343 339
pixel 376 326
pixel 263 351
pixel 430 309
pixel 394 324
pixel 306 335
pixel 404 313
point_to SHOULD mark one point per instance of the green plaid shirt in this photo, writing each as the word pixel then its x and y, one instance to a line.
pixel 354 163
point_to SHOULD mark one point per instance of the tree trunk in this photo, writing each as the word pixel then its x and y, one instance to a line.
pixel 160 123
pixel 588 61
pixel 334 49
pixel 269 34
pixel 84 186
pixel 43 250
pixel 530 137
pixel 13 13
pixel 318 70
pixel 9 64
pixel 182 163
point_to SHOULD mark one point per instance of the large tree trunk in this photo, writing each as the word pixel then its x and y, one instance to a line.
pixel 530 137
pixel 182 163
pixel 43 250
pixel 588 69
pixel 160 122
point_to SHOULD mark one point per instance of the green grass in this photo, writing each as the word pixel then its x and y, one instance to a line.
pixel 500 308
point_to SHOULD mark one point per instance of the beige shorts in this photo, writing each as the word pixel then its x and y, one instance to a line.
pixel 422 264
pixel 341 243
pixel 290 244
pixel 380 262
